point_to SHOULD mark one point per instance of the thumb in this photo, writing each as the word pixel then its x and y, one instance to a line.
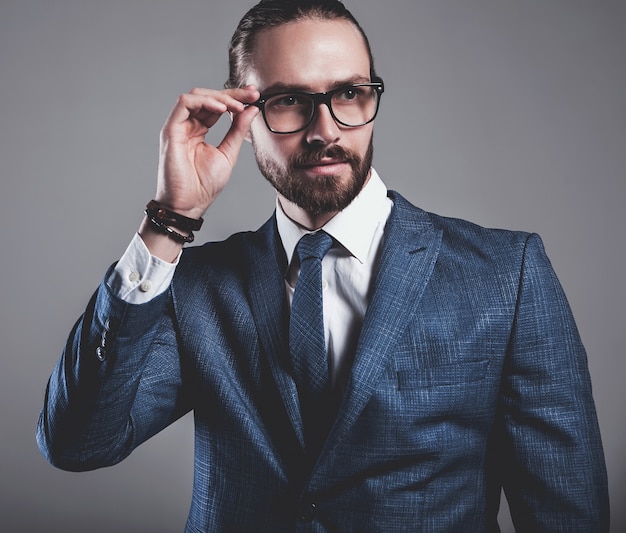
pixel 232 141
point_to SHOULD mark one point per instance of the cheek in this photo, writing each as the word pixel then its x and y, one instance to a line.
pixel 357 139
pixel 365 137
pixel 272 145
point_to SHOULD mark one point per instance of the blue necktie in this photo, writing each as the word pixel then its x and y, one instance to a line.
pixel 306 340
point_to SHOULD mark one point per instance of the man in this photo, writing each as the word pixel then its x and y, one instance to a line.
pixel 446 364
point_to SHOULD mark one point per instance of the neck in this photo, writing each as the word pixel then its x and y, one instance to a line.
pixel 303 218
pixel 310 221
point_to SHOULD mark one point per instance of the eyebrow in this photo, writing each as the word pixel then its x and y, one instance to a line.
pixel 280 87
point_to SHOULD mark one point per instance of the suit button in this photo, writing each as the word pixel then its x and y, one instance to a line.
pixel 101 353
pixel 307 511
pixel 111 324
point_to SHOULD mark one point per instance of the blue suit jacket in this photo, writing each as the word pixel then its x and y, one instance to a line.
pixel 469 376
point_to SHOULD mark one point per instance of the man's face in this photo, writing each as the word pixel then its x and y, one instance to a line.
pixel 322 168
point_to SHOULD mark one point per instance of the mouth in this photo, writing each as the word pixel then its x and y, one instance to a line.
pixel 325 166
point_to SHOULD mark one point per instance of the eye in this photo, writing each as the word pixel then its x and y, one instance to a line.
pixel 349 93
pixel 286 100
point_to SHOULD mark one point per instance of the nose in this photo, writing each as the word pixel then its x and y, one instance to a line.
pixel 323 128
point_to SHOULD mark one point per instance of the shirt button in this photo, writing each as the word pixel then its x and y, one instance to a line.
pixel 133 276
pixel 145 286
pixel 324 284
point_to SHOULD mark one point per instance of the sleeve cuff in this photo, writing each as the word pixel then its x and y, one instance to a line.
pixel 138 277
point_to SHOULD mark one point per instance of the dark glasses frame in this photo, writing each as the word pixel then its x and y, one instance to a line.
pixel 319 99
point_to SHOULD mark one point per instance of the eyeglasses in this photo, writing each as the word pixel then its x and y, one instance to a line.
pixel 351 105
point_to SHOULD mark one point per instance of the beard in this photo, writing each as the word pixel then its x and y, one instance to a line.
pixel 320 194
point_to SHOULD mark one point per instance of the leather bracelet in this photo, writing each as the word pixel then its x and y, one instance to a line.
pixel 171 218
pixel 169 231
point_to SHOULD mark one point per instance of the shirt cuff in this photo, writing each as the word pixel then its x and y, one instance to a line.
pixel 138 276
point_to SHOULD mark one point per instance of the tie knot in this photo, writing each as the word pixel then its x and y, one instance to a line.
pixel 314 245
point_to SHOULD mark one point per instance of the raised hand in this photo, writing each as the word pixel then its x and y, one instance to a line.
pixel 191 172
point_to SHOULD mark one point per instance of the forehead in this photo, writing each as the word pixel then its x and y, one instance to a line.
pixel 310 53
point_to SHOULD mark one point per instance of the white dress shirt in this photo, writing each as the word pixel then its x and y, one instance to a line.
pixel 347 270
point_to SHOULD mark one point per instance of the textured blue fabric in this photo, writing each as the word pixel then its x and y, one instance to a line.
pixel 307 344
pixel 469 377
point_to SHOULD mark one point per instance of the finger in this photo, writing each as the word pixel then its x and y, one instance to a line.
pixel 235 100
pixel 206 106
pixel 245 95
pixel 189 105
pixel 232 141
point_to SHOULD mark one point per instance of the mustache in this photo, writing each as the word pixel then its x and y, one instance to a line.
pixel 315 155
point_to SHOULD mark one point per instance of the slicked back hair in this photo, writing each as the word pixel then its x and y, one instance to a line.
pixel 271 13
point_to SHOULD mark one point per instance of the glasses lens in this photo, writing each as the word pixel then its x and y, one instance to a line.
pixel 288 112
pixel 355 106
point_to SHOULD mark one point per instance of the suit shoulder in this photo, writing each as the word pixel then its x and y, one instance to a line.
pixel 469 240
pixel 460 231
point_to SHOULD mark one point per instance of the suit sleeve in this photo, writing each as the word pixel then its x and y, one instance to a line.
pixel 117 383
pixel 552 461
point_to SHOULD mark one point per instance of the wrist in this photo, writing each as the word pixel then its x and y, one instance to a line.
pixel 193 213
pixel 164 231
pixel 159 244
pixel 168 220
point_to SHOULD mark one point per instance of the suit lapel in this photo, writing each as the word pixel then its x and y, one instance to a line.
pixel 410 249
pixel 266 266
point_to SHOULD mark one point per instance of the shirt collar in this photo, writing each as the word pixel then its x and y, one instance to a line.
pixel 354 227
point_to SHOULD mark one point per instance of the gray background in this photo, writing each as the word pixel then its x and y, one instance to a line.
pixel 511 114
